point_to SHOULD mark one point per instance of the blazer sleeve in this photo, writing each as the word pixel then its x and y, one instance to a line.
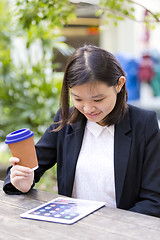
pixel 46 149
pixel 149 199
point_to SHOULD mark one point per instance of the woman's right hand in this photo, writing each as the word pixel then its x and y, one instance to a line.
pixel 21 177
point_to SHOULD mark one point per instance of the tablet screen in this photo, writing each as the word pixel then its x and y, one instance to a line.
pixel 63 210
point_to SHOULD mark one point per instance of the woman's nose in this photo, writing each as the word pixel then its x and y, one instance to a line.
pixel 88 109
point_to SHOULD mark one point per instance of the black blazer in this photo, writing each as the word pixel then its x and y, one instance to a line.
pixel 136 159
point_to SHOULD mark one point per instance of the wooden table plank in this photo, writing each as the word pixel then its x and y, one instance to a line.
pixel 127 216
pixel 106 223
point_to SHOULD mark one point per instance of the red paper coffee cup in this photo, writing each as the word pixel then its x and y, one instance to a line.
pixel 21 145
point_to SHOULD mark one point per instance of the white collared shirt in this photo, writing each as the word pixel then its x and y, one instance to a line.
pixel 94 176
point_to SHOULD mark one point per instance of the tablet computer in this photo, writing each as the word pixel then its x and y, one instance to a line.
pixel 63 210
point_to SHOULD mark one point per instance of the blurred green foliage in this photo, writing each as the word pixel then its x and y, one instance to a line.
pixel 116 10
pixel 30 84
pixel 119 10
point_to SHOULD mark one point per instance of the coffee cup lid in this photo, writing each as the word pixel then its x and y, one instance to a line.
pixel 18 135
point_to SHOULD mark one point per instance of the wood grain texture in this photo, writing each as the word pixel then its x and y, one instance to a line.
pixel 106 223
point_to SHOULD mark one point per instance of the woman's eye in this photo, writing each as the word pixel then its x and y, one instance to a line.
pixel 99 100
pixel 78 100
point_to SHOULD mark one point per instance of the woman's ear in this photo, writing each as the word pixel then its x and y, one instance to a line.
pixel 120 83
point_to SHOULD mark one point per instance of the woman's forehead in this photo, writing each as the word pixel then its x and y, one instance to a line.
pixel 96 89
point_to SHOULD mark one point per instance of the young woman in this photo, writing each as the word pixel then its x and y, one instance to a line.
pixel 105 149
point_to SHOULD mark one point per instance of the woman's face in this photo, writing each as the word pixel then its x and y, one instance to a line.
pixel 94 100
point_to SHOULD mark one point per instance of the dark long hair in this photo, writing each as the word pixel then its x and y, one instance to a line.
pixel 91 64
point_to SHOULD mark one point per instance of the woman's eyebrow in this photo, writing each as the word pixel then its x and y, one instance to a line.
pixel 75 94
pixel 96 96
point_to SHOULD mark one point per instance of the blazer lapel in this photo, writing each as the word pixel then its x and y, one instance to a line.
pixel 72 148
pixel 121 154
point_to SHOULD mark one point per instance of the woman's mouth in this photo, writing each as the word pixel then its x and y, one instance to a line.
pixel 92 115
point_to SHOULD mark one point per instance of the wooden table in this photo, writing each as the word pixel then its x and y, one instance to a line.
pixel 106 223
